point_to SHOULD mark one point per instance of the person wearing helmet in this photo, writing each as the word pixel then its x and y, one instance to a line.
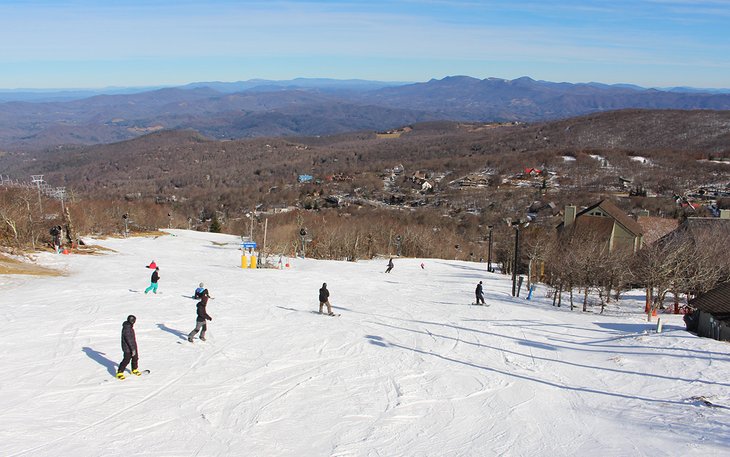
pixel 324 299
pixel 201 292
pixel 129 347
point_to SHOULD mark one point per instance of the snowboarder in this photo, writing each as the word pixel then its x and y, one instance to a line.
pixel 129 348
pixel 480 293
pixel 200 324
pixel 56 236
pixel 153 281
pixel 201 292
pixel 324 299
pixel 390 265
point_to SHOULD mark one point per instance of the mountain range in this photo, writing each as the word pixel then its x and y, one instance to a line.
pixel 310 107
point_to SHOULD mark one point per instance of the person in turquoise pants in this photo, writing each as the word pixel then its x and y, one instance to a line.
pixel 153 283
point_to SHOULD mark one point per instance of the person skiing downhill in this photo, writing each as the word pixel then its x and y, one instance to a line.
pixel 129 348
pixel 480 293
pixel 153 281
pixel 324 299
pixel 390 265
pixel 200 324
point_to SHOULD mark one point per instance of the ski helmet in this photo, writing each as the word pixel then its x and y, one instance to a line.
pixel 131 319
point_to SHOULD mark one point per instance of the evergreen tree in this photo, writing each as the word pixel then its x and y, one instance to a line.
pixel 215 226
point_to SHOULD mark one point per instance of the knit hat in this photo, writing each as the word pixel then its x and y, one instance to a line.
pixel 201 285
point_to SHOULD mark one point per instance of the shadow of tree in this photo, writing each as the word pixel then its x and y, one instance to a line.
pixel 545 346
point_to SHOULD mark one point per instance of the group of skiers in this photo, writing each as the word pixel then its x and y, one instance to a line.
pixel 129 340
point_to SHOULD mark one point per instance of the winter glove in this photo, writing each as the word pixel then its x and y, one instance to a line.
pixel 210 318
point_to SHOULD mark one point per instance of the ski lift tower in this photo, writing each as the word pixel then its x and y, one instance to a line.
pixel 38 181
pixel 60 193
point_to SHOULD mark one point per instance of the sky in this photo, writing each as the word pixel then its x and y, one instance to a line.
pixel 87 44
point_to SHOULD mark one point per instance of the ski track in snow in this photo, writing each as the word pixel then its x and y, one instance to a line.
pixel 407 369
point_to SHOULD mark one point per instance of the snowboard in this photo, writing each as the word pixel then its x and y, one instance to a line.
pixel 325 314
pixel 142 373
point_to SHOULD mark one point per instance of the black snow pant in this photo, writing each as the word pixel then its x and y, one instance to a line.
pixel 480 298
pixel 199 325
pixel 127 357
pixel 388 270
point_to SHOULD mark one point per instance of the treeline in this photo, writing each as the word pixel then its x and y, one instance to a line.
pixel 682 264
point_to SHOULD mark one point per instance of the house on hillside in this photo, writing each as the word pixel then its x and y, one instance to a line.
pixel 419 177
pixel 655 227
pixel 716 229
pixel 604 222
pixel 712 313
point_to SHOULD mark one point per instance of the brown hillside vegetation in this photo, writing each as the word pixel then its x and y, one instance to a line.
pixel 182 179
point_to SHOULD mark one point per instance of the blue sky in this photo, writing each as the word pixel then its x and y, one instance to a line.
pixel 85 44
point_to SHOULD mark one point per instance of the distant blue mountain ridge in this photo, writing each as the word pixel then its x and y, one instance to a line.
pixel 320 84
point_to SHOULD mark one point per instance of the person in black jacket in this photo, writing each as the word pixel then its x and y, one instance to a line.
pixel 153 281
pixel 480 293
pixel 390 265
pixel 129 347
pixel 324 299
pixel 200 324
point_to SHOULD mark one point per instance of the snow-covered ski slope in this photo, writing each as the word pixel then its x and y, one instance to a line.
pixel 409 369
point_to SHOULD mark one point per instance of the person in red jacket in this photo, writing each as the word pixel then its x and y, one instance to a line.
pixel 129 348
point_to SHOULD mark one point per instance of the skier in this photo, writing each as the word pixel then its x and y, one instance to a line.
pixel 129 348
pixel 423 266
pixel 153 281
pixel 324 299
pixel 480 293
pixel 200 325
pixel 390 265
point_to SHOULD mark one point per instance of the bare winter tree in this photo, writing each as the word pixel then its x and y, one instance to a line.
pixel 686 261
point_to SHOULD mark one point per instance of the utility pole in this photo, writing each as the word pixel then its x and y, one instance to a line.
pixel 489 255
pixel 266 227
pixel 250 236
pixel 516 259
pixel 517 225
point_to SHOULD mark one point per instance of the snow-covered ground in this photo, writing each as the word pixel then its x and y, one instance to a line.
pixel 408 369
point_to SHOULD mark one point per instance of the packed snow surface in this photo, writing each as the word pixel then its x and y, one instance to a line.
pixel 410 368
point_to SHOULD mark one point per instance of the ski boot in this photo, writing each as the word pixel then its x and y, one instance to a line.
pixel 120 376
pixel 202 338
pixel 136 372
